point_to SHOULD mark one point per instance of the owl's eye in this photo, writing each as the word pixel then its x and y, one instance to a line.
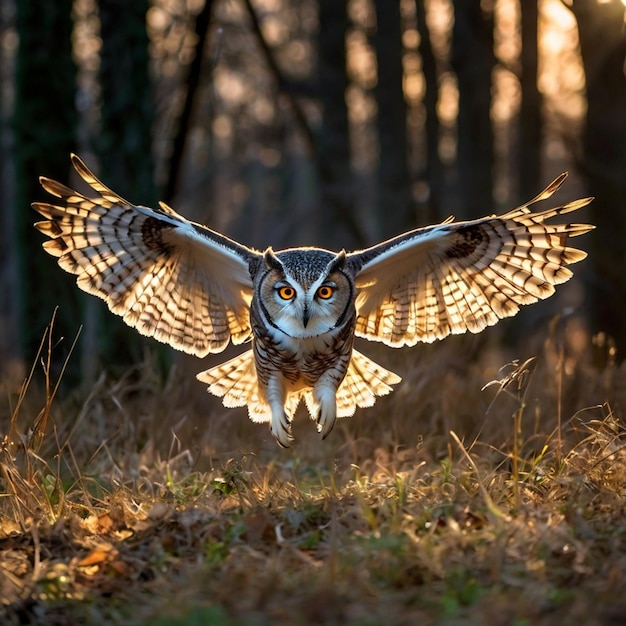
pixel 286 293
pixel 325 292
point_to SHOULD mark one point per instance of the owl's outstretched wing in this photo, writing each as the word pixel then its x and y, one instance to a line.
pixel 454 277
pixel 169 278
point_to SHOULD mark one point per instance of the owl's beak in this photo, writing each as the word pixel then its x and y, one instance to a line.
pixel 306 316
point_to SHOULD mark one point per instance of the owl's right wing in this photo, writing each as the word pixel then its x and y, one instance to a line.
pixel 168 277
pixel 459 276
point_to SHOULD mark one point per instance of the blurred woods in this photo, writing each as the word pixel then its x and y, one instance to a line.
pixel 292 122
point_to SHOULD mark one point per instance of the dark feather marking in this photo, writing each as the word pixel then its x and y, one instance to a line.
pixel 152 233
pixel 467 240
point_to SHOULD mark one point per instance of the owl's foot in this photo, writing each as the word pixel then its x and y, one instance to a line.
pixel 325 424
pixel 327 413
pixel 281 429
pixel 326 419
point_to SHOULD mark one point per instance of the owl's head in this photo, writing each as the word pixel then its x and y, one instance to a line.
pixel 304 291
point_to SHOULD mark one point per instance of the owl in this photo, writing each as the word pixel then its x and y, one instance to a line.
pixel 300 308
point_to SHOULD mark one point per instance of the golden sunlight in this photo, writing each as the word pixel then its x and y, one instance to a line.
pixel 561 75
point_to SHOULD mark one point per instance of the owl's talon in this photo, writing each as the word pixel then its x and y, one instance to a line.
pixel 325 425
pixel 284 444
pixel 282 434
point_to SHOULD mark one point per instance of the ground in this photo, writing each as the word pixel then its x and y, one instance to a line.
pixel 138 501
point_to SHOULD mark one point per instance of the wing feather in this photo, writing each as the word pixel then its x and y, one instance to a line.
pixel 459 276
pixel 237 384
pixel 365 380
pixel 168 277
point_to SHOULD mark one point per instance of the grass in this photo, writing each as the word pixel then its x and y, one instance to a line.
pixel 140 501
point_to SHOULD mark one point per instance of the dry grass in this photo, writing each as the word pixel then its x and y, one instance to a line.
pixel 444 504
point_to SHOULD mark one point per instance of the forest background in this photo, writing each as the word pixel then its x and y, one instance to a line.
pixel 312 122
pixel 305 123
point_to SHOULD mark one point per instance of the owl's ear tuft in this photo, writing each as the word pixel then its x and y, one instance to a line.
pixel 337 263
pixel 272 261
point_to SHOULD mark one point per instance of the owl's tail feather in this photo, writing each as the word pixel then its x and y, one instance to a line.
pixel 236 382
pixel 364 381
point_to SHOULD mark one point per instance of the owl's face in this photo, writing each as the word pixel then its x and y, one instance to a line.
pixel 304 292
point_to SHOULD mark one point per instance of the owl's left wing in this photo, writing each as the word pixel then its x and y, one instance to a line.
pixel 169 278
pixel 454 277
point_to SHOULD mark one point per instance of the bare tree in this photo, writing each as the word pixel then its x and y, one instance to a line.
pixel 530 119
pixel 338 220
pixel 603 49
pixel 125 140
pixel 394 194
pixel 124 146
pixel 434 166
pixel 192 82
pixel 45 83
pixel 9 312
pixel 473 61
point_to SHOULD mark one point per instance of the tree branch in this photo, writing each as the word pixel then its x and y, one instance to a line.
pixel 281 82
pixel 203 20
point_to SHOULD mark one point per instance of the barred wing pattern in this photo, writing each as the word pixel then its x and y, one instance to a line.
pixel 170 278
pixel 455 277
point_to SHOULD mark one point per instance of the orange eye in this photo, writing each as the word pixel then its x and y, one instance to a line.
pixel 286 293
pixel 325 292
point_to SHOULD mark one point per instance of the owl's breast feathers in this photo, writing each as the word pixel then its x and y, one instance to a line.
pixel 301 361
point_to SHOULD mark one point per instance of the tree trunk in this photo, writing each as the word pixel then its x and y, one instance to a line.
pixel 530 121
pixel 124 145
pixel 194 74
pixel 125 141
pixel 473 61
pixel 603 49
pixel 395 213
pixel 11 362
pixel 337 223
pixel 45 81
pixel 434 167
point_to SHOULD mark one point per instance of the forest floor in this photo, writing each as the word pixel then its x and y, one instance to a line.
pixel 443 504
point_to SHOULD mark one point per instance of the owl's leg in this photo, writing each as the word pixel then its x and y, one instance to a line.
pixel 325 394
pixel 276 396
